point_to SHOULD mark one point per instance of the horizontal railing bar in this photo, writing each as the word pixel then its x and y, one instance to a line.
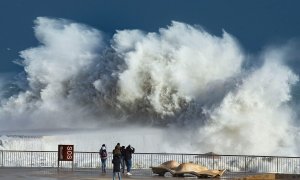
pixel 224 155
pixel 229 155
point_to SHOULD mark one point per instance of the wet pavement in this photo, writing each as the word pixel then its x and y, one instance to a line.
pixel 78 174
pixel 14 173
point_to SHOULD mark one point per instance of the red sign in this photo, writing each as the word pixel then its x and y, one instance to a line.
pixel 65 152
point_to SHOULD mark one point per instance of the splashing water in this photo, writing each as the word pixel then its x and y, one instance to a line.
pixel 182 79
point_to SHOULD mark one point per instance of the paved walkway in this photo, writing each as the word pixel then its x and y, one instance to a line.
pixel 54 174
pixel 94 174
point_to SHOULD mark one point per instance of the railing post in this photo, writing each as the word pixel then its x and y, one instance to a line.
pixel 2 158
pixel 91 160
pixel 277 168
pixel 245 164
pixel 213 162
pixel 31 159
pixel 182 158
pixel 151 161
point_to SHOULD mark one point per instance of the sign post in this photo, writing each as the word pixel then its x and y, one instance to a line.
pixel 65 153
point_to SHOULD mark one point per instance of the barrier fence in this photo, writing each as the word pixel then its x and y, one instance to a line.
pixel 233 163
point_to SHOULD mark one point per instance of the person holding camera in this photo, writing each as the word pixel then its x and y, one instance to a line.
pixel 128 156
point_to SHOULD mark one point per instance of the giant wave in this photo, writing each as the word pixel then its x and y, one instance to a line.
pixel 194 86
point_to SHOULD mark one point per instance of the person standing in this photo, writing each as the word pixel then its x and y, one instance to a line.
pixel 116 163
pixel 103 156
pixel 128 156
pixel 123 158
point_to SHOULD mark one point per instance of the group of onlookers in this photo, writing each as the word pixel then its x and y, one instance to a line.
pixel 121 156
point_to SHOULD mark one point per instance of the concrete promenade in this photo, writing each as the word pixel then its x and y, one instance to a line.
pixel 78 174
pixel 15 173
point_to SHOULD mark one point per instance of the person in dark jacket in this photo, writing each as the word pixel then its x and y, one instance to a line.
pixel 123 158
pixel 116 166
pixel 128 156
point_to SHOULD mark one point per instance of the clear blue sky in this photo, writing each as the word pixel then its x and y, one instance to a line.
pixel 255 23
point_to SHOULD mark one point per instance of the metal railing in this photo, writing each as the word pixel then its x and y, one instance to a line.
pixel 233 163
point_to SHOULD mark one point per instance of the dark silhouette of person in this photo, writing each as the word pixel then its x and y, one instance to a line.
pixel 128 156
pixel 116 164
pixel 123 153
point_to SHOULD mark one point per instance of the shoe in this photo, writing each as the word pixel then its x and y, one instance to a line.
pixel 129 174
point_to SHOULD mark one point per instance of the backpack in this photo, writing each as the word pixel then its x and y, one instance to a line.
pixel 103 153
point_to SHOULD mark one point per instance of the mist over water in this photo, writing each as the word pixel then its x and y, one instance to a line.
pixel 190 88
